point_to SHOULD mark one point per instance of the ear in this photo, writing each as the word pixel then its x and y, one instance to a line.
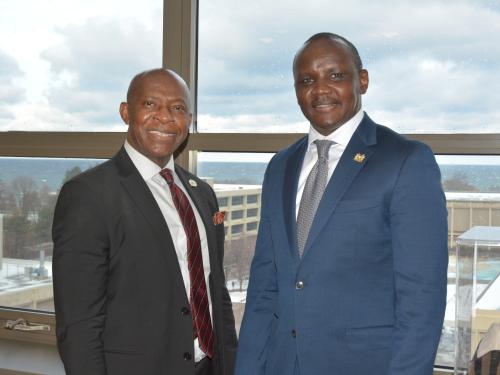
pixel 124 112
pixel 363 81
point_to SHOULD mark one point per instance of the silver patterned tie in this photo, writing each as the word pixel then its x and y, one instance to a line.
pixel 313 191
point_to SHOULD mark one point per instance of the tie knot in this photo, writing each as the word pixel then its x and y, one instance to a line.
pixel 323 146
pixel 167 175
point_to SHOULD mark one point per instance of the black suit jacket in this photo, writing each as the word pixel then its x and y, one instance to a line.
pixel 120 301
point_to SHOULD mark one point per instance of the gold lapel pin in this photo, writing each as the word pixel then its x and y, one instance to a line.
pixel 359 157
pixel 193 183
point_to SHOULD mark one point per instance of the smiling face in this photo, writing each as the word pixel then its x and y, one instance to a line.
pixel 157 113
pixel 327 84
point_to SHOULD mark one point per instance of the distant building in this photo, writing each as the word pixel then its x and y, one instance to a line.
pixel 467 210
pixel 242 206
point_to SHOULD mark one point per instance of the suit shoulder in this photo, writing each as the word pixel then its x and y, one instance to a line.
pixel 391 140
pixel 100 175
pixel 285 153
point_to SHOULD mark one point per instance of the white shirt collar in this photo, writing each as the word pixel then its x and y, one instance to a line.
pixel 340 136
pixel 147 168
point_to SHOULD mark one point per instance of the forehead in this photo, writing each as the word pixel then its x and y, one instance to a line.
pixel 161 84
pixel 323 50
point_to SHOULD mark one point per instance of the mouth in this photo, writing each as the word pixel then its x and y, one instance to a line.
pixel 324 105
pixel 162 134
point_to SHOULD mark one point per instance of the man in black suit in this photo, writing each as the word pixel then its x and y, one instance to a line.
pixel 139 286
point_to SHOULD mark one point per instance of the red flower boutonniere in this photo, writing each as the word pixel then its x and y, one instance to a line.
pixel 218 217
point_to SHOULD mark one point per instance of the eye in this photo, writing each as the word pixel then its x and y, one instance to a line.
pixel 179 108
pixel 305 80
pixel 337 76
pixel 149 103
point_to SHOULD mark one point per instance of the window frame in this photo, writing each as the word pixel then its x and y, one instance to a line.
pixel 180 18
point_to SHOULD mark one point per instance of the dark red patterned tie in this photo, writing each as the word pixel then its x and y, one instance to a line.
pixel 198 294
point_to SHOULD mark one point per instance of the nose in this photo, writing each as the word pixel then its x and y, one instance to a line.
pixel 164 114
pixel 321 87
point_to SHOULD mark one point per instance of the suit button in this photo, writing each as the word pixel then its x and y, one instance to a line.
pixel 187 356
pixel 299 285
pixel 294 333
pixel 185 311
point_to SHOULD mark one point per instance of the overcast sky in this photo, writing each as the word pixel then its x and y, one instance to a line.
pixel 434 65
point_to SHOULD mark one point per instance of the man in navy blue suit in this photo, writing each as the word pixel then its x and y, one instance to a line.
pixel 349 274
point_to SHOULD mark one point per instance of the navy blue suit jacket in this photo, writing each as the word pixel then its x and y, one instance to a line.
pixel 374 270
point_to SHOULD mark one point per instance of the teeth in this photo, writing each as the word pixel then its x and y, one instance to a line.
pixel 161 134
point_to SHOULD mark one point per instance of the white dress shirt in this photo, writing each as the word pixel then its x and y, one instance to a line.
pixel 341 137
pixel 150 172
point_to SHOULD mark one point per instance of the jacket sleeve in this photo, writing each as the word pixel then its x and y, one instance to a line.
pixel 261 297
pixel 420 253
pixel 80 267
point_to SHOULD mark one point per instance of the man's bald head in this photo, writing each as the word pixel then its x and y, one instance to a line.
pixel 157 112
pixel 138 80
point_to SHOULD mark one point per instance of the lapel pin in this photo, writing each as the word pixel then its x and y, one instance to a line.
pixel 218 217
pixel 359 158
pixel 193 183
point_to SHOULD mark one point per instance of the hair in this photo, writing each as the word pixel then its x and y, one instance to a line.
pixel 336 38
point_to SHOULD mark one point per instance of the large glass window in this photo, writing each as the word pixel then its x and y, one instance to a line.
pixel 472 188
pixel 431 63
pixel 240 178
pixel 67 65
pixel 28 192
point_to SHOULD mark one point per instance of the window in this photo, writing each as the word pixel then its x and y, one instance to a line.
pixel 240 174
pixel 443 93
pixel 222 201
pixel 28 193
pixel 237 200
pixel 236 229
pixel 417 86
pixel 252 212
pixel 69 70
pixel 472 188
pixel 252 199
pixel 235 215
pixel 252 226
pixel 424 79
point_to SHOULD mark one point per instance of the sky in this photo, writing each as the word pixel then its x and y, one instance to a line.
pixel 433 65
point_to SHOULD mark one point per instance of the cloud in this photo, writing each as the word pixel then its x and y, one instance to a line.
pixel 434 62
pixel 266 123
pixel 433 65
pixel 10 91
pixel 40 117
pixel 94 63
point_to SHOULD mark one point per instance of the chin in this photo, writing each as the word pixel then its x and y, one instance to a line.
pixel 326 128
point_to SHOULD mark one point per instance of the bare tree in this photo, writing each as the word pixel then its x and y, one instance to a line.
pixel 237 259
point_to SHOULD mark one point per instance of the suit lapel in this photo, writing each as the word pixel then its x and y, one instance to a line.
pixel 345 172
pixel 143 199
pixel 290 183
